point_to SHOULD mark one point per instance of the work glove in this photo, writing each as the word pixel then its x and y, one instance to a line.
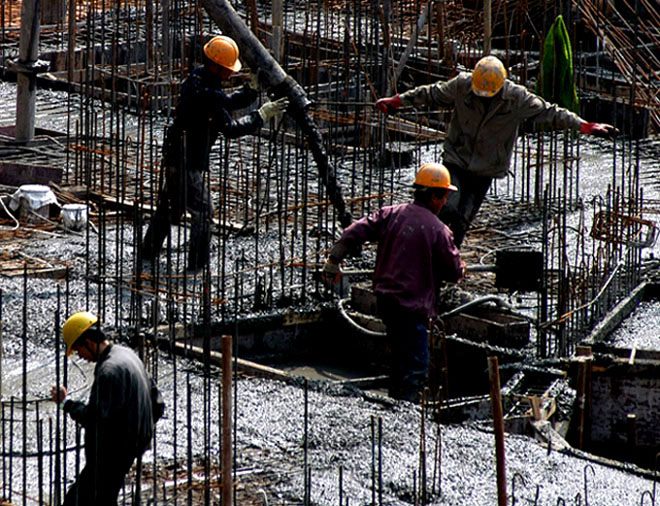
pixel 331 273
pixel 271 109
pixel 599 130
pixel 388 105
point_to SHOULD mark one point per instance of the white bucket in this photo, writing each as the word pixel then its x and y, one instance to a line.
pixel 74 216
pixel 31 199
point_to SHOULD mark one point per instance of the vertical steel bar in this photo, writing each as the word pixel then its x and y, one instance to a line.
pixel 227 496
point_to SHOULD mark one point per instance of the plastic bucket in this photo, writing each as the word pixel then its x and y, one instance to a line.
pixel 74 216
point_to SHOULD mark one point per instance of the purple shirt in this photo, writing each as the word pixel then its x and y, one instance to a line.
pixel 415 252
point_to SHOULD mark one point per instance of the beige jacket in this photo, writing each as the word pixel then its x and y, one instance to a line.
pixel 482 141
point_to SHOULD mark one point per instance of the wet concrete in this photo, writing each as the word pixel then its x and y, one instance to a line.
pixel 270 437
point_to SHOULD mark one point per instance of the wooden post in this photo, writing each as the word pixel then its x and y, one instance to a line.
pixel 227 457
pixel 26 79
pixel 487 27
pixel 631 420
pixel 581 398
pixel 498 425
pixel 71 41
pixel 276 43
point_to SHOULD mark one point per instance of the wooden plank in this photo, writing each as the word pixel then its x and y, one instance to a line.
pixel 247 366
pixel 17 174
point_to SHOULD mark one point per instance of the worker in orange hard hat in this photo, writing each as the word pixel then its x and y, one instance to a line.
pixel 487 111
pixel 124 404
pixel 203 112
pixel 416 252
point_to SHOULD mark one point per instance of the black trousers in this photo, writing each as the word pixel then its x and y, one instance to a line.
pixel 100 481
pixel 407 335
pixel 183 190
pixel 462 205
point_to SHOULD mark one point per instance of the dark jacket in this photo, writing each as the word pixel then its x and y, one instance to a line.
pixel 119 416
pixel 415 253
pixel 479 141
pixel 202 113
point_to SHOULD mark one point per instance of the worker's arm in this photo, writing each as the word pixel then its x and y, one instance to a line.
pixel 450 267
pixel 528 105
pixel 240 98
pixel 354 236
pixel 439 93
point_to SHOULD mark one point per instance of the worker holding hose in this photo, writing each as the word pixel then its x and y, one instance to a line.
pixel 487 111
pixel 203 112
pixel 119 417
pixel 416 252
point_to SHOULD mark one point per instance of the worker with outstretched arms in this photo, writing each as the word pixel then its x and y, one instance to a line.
pixel 203 112
pixel 487 109
pixel 124 404
pixel 415 253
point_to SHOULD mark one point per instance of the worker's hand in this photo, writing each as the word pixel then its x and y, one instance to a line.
pixel 271 109
pixel 253 80
pixel 599 130
pixel 331 273
pixel 388 105
pixel 58 394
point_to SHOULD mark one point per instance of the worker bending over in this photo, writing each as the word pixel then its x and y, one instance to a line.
pixel 119 417
pixel 487 111
pixel 202 113
pixel 415 253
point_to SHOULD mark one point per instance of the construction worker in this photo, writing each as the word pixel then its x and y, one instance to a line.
pixel 415 253
pixel 119 417
pixel 202 113
pixel 487 111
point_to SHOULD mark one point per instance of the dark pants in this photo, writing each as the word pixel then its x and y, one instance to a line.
pixel 462 205
pixel 102 489
pixel 407 335
pixel 184 189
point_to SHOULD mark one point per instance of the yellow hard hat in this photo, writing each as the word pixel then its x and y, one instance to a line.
pixel 75 326
pixel 434 175
pixel 488 76
pixel 223 51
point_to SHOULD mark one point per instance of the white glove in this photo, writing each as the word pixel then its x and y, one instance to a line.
pixel 331 273
pixel 270 109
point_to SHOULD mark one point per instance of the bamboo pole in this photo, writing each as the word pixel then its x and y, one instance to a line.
pixel 498 425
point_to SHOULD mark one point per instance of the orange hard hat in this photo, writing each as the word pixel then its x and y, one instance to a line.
pixel 223 51
pixel 488 76
pixel 434 175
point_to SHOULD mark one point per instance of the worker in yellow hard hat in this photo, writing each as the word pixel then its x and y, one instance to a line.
pixel 123 406
pixel 416 252
pixel 487 111
pixel 203 112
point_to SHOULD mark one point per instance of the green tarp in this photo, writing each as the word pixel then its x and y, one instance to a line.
pixel 555 82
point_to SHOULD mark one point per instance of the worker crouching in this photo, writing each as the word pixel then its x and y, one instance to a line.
pixel 416 252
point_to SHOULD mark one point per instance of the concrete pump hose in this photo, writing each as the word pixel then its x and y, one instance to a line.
pixel 353 323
